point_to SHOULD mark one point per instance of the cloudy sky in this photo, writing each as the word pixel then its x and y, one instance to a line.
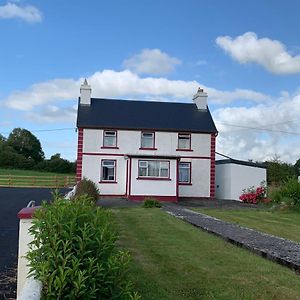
pixel 245 54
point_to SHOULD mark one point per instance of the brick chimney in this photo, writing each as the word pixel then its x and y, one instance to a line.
pixel 85 93
pixel 200 99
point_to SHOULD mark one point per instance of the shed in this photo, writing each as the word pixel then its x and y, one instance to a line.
pixel 233 176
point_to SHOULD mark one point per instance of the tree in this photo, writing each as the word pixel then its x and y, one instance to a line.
pixel 297 167
pixel 2 138
pixel 278 171
pixel 26 144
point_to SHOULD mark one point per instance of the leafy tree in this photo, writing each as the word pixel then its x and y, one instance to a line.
pixel 26 144
pixel 2 138
pixel 297 167
pixel 278 171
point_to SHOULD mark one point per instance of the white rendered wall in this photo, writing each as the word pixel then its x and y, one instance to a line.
pixel 91 169
pixel 24 239
pixel 231 179
pixel 153 187
pixel 200 179
pixel 243 177
pixel 129 142
pixel 223 181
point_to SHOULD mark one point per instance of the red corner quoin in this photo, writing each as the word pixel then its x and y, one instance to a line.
pixel 212 165
pixel 27 212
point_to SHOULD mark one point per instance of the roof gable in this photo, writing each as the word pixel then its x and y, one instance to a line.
pixel 132 114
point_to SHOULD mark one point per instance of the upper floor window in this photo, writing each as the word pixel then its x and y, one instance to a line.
pixel 147 140
pixel 154 168
pixel 110 138
pixel 184 172
pixel 184 141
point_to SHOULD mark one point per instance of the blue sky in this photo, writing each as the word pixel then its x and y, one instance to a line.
pixel 246 55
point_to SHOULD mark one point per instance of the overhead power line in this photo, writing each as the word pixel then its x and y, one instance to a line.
pixel 46 130
pixel 259 128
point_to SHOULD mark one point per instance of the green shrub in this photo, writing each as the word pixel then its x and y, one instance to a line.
pixel 87 187
pixel 74 252
pixel 151 202
pixel 288 193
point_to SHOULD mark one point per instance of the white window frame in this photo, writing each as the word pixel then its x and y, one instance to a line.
pixel 185 136
pixel 144 164
pixel 143 136
pixel 111 164
pixel 189 167
pixel 109 133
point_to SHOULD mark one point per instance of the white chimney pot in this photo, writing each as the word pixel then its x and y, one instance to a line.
pixel 85 93
pixel 200 99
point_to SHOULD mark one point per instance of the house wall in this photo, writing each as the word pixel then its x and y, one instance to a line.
pixel 157 187
pixel 166 143
pixel 200 179
pixel 231 179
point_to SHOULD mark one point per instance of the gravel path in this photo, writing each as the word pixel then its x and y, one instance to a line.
pixel 274 248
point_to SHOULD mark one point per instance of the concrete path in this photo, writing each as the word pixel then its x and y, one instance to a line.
pixel 274 248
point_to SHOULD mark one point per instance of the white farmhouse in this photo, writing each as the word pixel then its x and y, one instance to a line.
pixel 139 149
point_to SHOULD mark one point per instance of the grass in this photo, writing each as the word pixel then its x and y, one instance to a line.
pixel 285 224
pixel 30 173
pixel 174 260
pixel 30 178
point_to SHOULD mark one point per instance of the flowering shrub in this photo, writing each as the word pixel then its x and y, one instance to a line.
pixel 254 195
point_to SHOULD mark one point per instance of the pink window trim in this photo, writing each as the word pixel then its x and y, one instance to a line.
pixel 154 178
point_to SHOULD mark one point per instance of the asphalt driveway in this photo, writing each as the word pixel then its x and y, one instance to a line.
pixel 12 200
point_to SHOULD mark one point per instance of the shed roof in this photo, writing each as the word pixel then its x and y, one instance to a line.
pixel 240 162
pixel 133 114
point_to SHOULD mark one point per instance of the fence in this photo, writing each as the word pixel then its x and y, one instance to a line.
pixel 37 181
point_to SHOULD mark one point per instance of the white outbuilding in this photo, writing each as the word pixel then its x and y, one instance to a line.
pixel 233 176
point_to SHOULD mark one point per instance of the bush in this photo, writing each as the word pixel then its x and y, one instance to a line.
pixel 254 195
pixel 74 252
pixel 87 187
pixel 151 202
pixel 288 193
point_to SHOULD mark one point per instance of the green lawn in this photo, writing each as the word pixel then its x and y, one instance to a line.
pixel 284 224
pixel 30 173
pixel 29 178
pixel 174 260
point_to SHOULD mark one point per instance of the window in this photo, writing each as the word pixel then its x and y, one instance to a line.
pixel 184 141
pixel 184 172
pixel 147 140
pixel 110 138
pixel 108 170
pixel 154 168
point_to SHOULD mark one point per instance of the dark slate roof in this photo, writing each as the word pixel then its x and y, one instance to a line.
pixel 241 162
pixel 128 114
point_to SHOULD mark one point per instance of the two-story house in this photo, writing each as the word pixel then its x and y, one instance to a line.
pixel 138 149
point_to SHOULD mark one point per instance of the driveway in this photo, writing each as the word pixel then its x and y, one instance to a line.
pixel 12 200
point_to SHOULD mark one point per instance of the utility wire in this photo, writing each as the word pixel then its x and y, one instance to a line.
pixel 45 130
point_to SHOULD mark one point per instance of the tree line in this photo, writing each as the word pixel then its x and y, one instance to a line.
pixel 23 150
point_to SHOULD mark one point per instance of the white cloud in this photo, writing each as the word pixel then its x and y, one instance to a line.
pixel 277 117
pixel 124 84
pixel 27 13
pixel 151 61
pixel 271 54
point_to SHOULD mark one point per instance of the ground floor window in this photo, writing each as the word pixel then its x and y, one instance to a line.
pixel 154 168
pixel 184 172
pixel 108 170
